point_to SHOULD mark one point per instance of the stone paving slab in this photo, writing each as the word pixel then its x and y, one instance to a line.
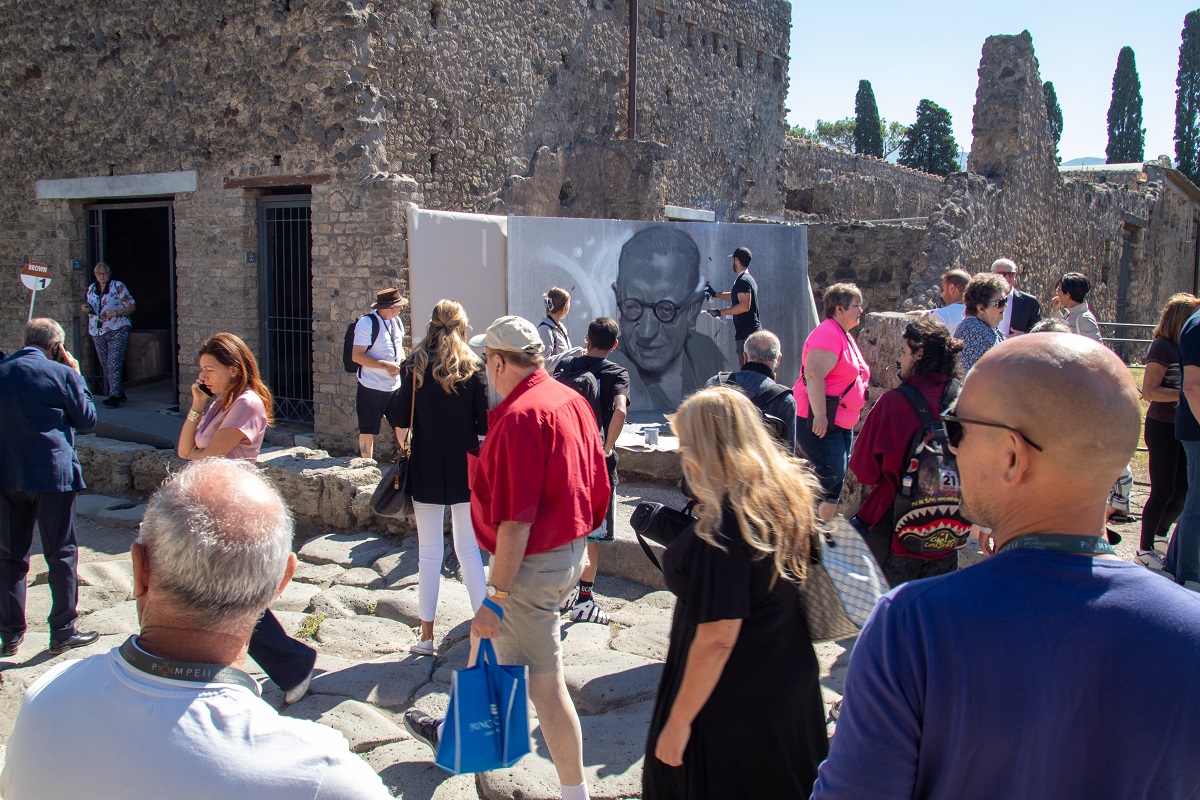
pixel 295 597
pixel 398 568
pixel 344 601
pixel 407 769
pixel 602 680
pixel 364 727
pixel 390 681
pixel 124 516
pixel 364 637
pixel 116 574
pixel 321 575
pixel 347 549
pixel 362 577
pixel 89 505
pixel 650 640
pixel 94 598
pixel 115 620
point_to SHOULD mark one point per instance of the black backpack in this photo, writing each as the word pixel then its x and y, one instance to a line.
pixel 776 426
pixel 925 514
pixel 348 361
pixel 584 382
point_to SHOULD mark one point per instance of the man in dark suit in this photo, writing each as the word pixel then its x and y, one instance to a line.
pixel 43 402
pixel 1023 310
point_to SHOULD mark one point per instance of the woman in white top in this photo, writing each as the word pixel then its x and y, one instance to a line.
pixel 554 335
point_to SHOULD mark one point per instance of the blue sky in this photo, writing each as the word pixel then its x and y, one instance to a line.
pixel 911 51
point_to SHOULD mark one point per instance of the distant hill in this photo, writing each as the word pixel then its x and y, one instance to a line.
pixel 1086 161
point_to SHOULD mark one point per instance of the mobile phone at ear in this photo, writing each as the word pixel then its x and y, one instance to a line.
pixel 206 390
pixel 56 351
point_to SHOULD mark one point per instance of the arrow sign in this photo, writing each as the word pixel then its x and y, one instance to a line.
pixel 35 276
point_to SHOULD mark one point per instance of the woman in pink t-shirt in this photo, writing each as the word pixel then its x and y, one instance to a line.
pixel 231 409
pixel 832 367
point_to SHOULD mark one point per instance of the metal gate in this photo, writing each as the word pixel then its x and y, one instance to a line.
pixel 285 304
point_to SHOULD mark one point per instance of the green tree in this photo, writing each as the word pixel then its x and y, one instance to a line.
pixel 1054 112
pixel 1187 99
pixel 838 134
pixel 930 144
pixel 868 129
pixel 894 134
pixel 1126 136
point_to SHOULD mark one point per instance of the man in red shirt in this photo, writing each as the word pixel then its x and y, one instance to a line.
pixel 928 361
pixel 539 486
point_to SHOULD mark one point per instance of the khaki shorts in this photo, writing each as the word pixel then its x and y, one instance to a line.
pixel 529 634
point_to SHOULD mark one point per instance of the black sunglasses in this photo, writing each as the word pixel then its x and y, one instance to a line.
pixel 954 429
pixel 1001 303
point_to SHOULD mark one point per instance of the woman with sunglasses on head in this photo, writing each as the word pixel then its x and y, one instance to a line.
pixel 231 410
pixel 831 392
pixel 984 300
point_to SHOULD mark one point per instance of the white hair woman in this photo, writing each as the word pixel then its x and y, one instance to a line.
pixel 738 619
pixel 445 379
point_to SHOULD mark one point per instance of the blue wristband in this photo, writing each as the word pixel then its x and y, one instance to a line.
pixel 487 601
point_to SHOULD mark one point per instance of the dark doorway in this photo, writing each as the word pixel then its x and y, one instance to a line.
pixel 285 304
pixel 137 240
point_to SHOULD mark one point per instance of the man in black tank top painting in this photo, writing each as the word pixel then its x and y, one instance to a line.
pixel 743 295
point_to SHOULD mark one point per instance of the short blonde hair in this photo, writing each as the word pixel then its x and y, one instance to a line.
pixel 729 458
pixel 840 295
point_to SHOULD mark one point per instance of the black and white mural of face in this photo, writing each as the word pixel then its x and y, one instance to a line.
pixel 649 276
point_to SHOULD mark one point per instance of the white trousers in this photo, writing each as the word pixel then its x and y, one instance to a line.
pixel 430 552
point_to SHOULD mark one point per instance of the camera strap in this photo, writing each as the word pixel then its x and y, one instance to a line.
pixel 142 661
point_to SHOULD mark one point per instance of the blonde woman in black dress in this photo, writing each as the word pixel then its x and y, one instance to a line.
pixel 739 710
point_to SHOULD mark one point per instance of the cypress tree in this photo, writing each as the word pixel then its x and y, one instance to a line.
pixel 868 129
pixel 1054 112
pixel 930 144
pixel 1187 99
pixel 1126 136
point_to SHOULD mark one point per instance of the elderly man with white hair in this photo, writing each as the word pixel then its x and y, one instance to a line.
pixel 170 712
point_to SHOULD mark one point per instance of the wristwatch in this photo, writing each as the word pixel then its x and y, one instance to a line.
pixel 492 591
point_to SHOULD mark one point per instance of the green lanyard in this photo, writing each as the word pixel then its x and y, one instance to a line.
pixel 184 670
pixel 1061 543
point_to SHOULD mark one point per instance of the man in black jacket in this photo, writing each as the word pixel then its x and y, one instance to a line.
pixel 1023 310
pixel 760 357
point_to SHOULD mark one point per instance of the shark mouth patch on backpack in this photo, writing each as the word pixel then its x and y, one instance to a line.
pixel 933 529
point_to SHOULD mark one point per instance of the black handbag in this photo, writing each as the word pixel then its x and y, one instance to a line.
pixel 659 524
pixel 393 495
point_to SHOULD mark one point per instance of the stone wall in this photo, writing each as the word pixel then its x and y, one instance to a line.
pixel 471 91
pixel 1014 203
pixel 842 186
pixel 878 258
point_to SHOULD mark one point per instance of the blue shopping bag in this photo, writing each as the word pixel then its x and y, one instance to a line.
pixel 487 723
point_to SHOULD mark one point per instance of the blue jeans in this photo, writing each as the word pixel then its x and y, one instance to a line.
pixel 828 455
pixel 1183 556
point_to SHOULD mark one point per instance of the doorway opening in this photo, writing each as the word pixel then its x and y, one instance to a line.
pixel 285 303
pixel 137 240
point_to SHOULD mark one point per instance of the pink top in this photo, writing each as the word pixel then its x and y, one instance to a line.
pixel 247 413
pixel 851 368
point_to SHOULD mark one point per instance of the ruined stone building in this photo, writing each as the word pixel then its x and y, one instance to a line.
pixel 244 166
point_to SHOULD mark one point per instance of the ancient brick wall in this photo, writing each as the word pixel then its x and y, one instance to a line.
pixel 877 258
pixel 473 90
pixel 842 186
pixel 1015 204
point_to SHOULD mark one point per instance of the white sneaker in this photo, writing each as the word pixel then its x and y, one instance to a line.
pixel 1151 559
pixel 295 693
pixel 569 603
pixel 588 611
pixel 423 648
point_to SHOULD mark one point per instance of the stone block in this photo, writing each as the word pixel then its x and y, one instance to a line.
pixel 602 680
pixel 151 467
pixel 390 682
pixel 340 602
pixel 116 574
pixel 94 598
pixel 107 463
pixel 654 607
pixel 398 568
pixel 322 575
pixel 363 637
pixel 454 606
pixel 407 769
pixel 613 749
pixel 347 549
pixel 650 639
pixel 89 505
pixel 450 660
pixel 364 727
pixel 295 597
pixel 362 577
pixel 123 515
pixel 113 620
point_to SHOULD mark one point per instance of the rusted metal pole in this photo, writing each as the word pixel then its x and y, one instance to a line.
pixel 631 100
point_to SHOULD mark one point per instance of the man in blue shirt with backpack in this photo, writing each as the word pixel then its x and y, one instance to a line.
pixel 378 349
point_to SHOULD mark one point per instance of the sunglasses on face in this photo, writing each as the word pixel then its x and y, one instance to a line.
pixel 1001 303
pixel 954 429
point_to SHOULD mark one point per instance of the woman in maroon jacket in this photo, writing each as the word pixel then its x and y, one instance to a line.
pixel 928 362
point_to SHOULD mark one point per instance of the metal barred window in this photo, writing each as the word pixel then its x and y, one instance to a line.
pixel 285 304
